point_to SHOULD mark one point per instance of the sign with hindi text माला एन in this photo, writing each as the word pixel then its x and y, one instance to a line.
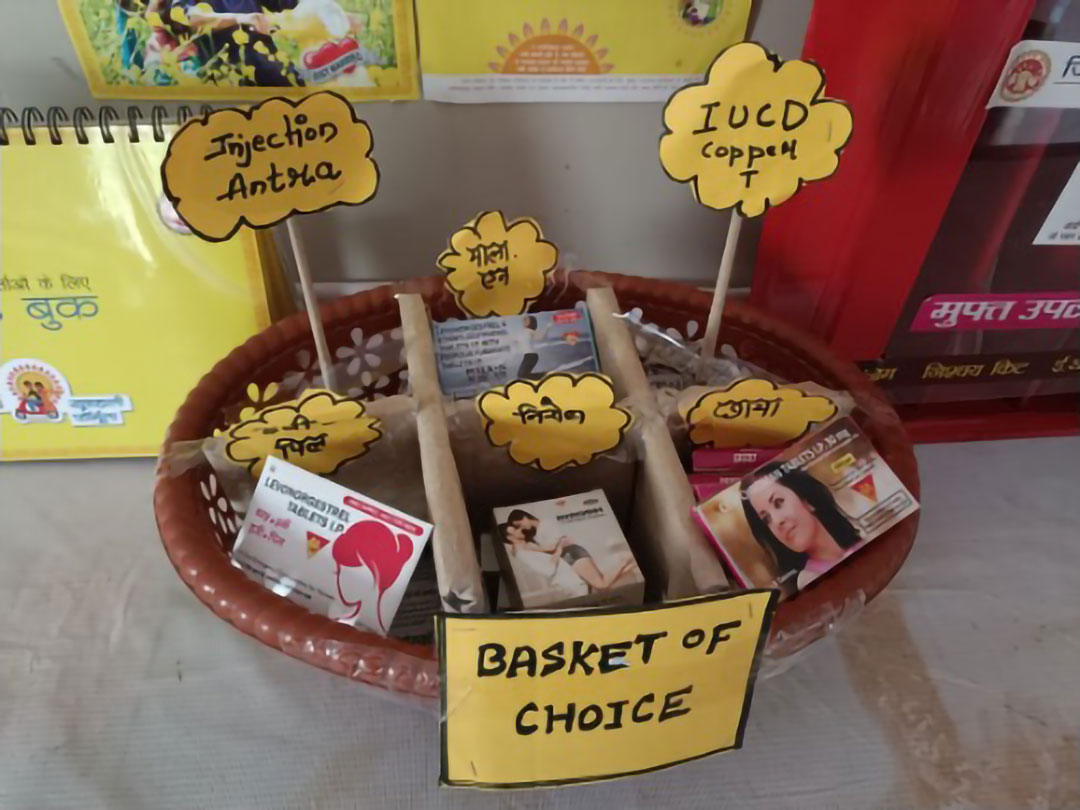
pixel 258 167
pixel 574 696
pixel 495 268
pixel 754 132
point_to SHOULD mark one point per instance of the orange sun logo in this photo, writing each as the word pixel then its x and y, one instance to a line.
pixel 551 51
pixel 25 377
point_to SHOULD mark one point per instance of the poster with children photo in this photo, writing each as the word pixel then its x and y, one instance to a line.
pixel 234 49
pixel 793 519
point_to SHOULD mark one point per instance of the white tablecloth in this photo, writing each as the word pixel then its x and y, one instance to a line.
pixel 958 687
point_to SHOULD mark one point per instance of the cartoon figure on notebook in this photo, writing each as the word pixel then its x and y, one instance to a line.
pixel 796 520
pixel 37 391
pixel 520 533
pixel 32 391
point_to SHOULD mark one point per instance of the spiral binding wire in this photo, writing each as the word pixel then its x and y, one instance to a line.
pixel 81 117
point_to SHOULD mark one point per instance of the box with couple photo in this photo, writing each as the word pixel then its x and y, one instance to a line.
pixel 806 511
pixel 566 552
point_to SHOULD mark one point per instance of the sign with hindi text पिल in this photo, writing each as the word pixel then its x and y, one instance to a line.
pixel 258 167
pixel 562 420
pixel 754 413
pixel 754 131
pixel 318 432
pixel 575 696
pixel 497 269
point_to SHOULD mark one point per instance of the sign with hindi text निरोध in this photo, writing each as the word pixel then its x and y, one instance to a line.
pixel 259 167
pixel 493 268
pixel 754 131
pixel 754 413
pixel 561 420
pixel 577 696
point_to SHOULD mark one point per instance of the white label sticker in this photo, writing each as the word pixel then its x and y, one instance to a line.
pixel 332 550
pixel 1040 73
pixel 1062 225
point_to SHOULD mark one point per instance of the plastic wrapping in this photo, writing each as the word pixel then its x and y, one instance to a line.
pixel 793 644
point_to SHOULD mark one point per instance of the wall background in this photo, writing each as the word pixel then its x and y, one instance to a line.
pixel 588 172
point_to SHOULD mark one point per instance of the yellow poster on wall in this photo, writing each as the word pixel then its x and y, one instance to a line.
pixel 234 49
pixel 567 50
pixel 111 308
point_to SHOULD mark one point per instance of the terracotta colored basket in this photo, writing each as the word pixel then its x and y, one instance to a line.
pixel 197 524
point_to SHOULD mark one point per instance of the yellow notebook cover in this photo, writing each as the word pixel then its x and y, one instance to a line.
pixel 569 50
pixel 110 311
pixel 237 49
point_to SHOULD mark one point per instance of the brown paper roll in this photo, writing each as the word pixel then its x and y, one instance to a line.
pixel 664 522
pixel 456 562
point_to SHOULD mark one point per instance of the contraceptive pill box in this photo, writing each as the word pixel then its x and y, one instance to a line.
pixel 482 353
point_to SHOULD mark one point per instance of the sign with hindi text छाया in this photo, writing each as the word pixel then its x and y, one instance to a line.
pixel 497 269
pixel 754 413
pixel 754 132
pixel 556 698
pixel 259 167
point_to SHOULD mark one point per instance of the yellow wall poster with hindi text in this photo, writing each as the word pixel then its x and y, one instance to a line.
pixel 232 49
pixel 567 50
pixel 575 696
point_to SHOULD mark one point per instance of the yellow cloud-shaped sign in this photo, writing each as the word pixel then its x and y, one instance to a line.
pixel 754 413
pixel 561 420
pixel 754 131
pixel 497 269
pixel 318 431
pixel 259 167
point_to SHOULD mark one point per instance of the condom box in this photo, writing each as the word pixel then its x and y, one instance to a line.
pixel 337 553
pixel 482 353
pixel 571 553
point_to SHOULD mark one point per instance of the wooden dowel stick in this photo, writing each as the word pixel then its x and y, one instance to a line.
pixel 723 278
pixel 326 363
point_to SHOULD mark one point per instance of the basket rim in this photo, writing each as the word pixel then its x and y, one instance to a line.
pixel 192 547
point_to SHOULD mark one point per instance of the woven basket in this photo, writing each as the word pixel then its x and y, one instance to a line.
pixel 197 525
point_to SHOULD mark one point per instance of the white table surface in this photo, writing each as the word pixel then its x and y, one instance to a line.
pixel 958 687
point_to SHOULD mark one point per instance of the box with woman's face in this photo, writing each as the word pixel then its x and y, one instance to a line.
pixel 566 552
pixel 814 505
